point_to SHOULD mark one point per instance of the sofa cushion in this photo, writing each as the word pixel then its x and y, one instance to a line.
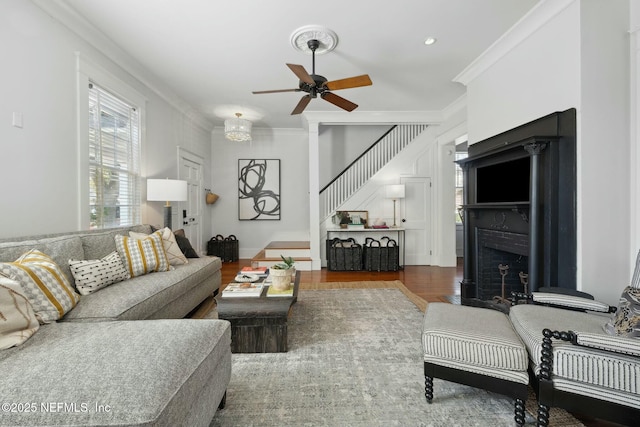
pixel 171 248
pixel 141 373
pixel 608 370
pixel 18 322
pixel 100 243
pixel 147 296
pixel 43 283
pixel 626 320
pixel 93 275
pixel 61 249
pixel 142 256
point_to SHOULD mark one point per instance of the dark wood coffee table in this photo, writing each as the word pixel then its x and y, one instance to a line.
pixel 258 324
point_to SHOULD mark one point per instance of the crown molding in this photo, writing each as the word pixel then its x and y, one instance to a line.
pixel 69 18
pixel 537 17
pixel 455 107
pixel 373 117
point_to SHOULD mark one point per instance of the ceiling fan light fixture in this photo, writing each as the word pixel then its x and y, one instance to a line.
pixel 315 38
pixel 237 129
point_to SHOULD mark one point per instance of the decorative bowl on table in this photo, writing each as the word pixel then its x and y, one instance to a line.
pixel 247 278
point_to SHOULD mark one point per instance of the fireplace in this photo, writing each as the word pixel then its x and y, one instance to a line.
pixel 519 210
pixel 503 258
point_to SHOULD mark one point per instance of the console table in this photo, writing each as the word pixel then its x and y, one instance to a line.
pixel 360 234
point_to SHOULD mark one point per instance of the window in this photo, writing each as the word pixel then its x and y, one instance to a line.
pixel 114 160
pixel 459 185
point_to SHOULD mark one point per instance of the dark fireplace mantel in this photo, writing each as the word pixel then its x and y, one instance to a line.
pixel 522 183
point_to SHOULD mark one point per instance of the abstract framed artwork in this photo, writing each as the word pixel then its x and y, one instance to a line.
pixel 258 189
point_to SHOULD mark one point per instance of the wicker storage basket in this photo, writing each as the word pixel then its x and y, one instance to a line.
pixel 381 255
pixel 344 255
pixel 226 248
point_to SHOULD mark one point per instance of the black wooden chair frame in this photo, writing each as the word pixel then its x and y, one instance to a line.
pixel 549 396
pixel 518 391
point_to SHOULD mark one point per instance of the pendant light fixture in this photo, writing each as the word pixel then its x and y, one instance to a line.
pixel 237 129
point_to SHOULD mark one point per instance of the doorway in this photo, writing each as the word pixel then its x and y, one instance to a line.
pixel 461 153
pixel 415 218
pixel 190 169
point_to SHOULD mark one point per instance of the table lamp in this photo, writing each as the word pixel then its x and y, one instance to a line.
pixel 395 192
pixel 167 190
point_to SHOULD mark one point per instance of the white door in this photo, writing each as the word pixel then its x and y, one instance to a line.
pixel 415 218
pixel 190 215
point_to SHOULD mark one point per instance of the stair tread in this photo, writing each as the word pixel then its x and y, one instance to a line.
pixel 288 245
pixel 261 256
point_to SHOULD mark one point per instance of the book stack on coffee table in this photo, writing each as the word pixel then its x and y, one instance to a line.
pixel 234 290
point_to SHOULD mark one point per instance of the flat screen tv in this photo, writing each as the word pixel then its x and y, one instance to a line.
pixel 503 182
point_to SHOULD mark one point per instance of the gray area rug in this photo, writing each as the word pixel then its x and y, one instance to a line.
pixel 354 359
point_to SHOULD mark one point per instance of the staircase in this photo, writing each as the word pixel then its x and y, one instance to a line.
pixel 354 176
pixel 299 251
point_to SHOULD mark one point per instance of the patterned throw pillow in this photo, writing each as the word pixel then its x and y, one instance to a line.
pixel 18 322
pixel 43 283
pixel 95 274
pixel 626 320
pixel 171 248
pixel 142 256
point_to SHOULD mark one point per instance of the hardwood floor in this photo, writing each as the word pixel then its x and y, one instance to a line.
pixel 429 283
pixel 433 284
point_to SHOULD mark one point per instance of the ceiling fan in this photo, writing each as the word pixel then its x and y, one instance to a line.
pixel 314 85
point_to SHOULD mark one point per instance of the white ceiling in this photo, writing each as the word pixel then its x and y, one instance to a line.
pixel 214 53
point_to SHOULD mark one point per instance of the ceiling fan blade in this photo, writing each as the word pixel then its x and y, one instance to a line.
pixel 275 91
pixel 350 82
pixel 302 104
pixel 302 74
pixel 339 101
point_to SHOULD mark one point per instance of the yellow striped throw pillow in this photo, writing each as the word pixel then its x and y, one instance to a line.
pixel 142 256
pixel 43 283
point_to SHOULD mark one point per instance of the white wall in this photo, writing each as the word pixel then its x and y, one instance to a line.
pixel 288 145
pixel 634 158
pixel 579 58
pixel 540 76
pixel 40 172
pixel 604 179
pixel 342 144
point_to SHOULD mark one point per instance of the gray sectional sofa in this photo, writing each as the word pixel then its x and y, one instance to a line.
pixel 124 355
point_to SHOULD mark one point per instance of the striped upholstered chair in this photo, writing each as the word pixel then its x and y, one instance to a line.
pixel 586 359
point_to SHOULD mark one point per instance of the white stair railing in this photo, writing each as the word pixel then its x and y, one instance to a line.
pixel 365 166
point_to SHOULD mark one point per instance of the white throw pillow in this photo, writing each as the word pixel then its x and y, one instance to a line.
pixel 94 274
pixel 173 251
pixel 18 321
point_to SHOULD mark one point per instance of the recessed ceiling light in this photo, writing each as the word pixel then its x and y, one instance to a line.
pixel 430 40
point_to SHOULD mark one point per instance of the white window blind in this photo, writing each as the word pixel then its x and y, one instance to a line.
pixel 114 160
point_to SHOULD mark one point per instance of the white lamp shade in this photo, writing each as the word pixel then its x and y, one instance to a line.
pixel 166 190
pixel 395 191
